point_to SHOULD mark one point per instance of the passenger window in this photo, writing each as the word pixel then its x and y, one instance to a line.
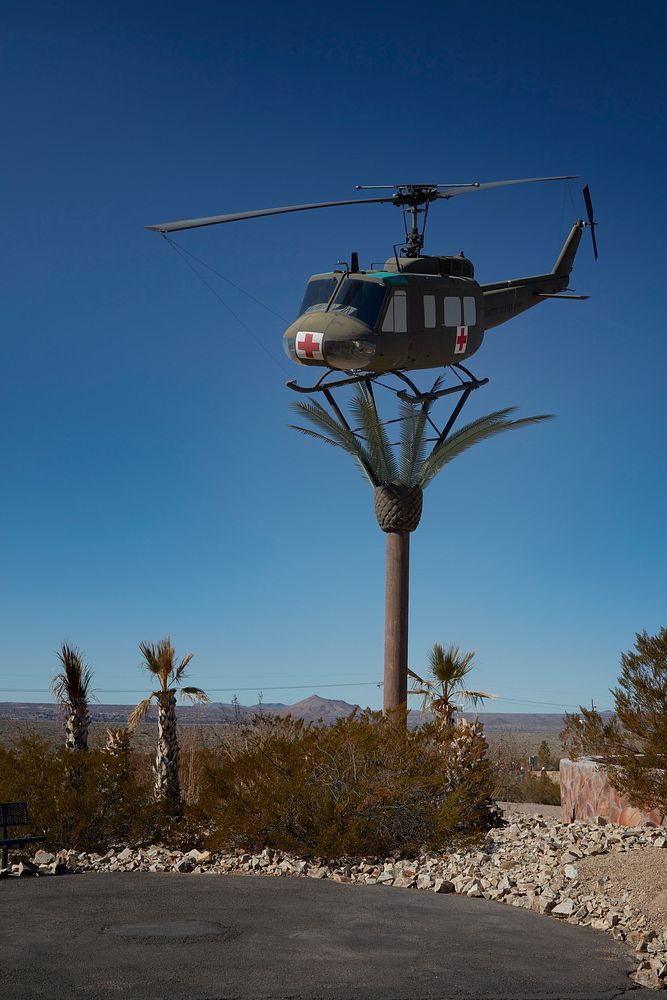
pixel 396 316
pixel 469 311
pixel 452 311
pixel 429 312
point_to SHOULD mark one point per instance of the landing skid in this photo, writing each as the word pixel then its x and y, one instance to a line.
pixel 410 395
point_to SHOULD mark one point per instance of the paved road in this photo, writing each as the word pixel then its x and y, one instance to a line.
pixel 207 937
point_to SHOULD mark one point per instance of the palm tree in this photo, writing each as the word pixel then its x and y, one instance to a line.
pixel 160 660
pixel 71 688
pixel 449 668
pixel 398 481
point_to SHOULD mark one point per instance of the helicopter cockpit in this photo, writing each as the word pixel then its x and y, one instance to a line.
pixel 346 296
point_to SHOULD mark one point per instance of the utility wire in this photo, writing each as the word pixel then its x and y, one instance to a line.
pixel 220 299
pixel 224 278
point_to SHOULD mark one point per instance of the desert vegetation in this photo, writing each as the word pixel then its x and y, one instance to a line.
pixel 362 786
pixel 632 743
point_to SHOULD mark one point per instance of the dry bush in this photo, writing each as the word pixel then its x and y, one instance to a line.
pixel 364 786
pixel 86 801
pixel 513 782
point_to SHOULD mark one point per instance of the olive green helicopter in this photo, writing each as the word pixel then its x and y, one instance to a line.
pixel 415 311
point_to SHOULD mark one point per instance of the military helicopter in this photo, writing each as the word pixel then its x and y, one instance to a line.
pixel 413 312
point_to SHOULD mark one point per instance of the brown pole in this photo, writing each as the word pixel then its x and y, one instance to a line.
pixel 396 621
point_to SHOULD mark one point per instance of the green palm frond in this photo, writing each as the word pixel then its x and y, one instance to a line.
pixel 412 446
pixel 380 453
pixel 316 413
pixel 72 685
pixel 336 434
pixel 448 664
pixel 474 432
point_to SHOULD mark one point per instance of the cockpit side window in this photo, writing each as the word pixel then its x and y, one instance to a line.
pixel 318 293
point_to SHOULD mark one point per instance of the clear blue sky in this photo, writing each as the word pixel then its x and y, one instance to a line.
pixel 150 482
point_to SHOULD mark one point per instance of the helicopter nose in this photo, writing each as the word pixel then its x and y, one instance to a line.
pixel 324 339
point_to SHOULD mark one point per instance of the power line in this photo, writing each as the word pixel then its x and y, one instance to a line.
pixel 299 687
pixel 257 687
pixel 229 309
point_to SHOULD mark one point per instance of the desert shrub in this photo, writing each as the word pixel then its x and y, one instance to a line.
pixel 531 787
pixel 79 800
pixel 364 786
pixel 512 782
pixel 633 742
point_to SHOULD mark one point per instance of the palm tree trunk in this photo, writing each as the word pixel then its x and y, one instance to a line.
pixel 76 727
pixel 396 621
pixel 167 759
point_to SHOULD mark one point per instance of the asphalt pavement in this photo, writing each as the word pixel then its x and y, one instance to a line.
pixel 144 936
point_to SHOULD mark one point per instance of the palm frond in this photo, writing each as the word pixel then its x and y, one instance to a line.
pixel 413 425
pixel 474 432
pixel 151 655
pixel 195 694
pixel 181 668
pixel 448 664
pixel 336 434
pixel 72 685
pixel 316 414
pixel 380 453
pixel 141 711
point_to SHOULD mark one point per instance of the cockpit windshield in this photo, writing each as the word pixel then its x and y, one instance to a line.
pixel 360 299
pixel 318 293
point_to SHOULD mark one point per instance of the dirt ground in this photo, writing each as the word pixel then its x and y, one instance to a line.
pixel 641 873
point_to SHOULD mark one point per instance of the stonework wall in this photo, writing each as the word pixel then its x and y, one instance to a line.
pixel 585 793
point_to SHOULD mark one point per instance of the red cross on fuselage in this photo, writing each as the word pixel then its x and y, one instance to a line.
pixel 462 339
pixel 309 346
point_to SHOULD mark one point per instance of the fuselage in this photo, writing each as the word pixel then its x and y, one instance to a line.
pixel 415 313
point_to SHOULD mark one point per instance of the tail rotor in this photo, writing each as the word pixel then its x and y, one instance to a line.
pixel 591 221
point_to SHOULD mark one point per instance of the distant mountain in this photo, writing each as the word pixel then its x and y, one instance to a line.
pixel 314 708
pixel 310 709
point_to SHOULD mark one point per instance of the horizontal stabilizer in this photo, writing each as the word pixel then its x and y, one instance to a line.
pixel 555 295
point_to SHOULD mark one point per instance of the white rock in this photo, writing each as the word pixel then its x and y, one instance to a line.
pixel 564 909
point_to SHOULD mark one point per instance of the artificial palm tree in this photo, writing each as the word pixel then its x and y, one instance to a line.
pixel 161 661
pixel 398 479
pixel 449 668
pixel 71 688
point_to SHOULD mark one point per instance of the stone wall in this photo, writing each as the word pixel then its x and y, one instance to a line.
pixel 585 793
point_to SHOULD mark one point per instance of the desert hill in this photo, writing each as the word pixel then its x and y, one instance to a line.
pixel 309 709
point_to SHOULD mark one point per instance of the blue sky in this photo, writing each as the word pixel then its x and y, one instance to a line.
pixel 150 481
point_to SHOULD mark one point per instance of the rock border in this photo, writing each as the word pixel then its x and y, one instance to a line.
pixel 531 863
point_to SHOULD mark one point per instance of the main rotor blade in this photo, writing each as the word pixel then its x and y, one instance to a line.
pixel 449 192
pixel 214 220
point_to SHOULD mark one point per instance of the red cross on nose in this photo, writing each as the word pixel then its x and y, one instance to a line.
pixel 309 345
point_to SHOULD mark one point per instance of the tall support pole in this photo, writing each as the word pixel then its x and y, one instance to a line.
pixel 396 621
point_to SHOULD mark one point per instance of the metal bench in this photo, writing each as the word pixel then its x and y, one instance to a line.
pixel 14 814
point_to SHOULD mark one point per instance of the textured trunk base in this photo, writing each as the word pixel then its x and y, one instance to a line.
pixel 398 508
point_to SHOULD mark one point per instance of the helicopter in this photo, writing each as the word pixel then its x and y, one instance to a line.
pixel 415 311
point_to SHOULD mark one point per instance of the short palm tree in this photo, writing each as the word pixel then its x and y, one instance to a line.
pixel 71 688
pixel 161 661
pixel 446 683
pixel 398 479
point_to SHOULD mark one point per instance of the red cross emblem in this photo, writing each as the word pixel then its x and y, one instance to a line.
pixel 461 340
pixel 309 346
